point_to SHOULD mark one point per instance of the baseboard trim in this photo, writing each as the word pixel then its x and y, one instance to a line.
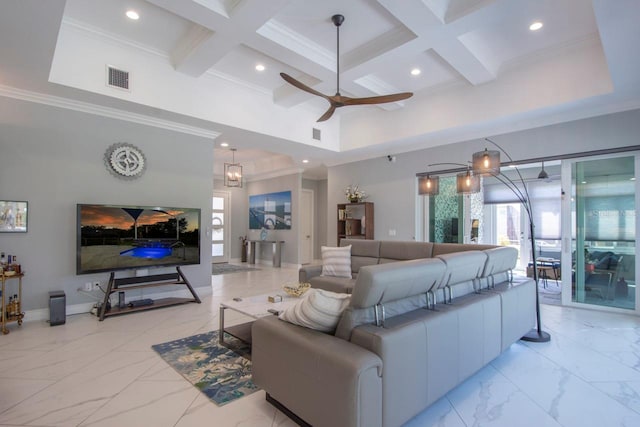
pixel 43 313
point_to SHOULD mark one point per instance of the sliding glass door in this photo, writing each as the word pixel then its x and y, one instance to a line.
pixel 603 232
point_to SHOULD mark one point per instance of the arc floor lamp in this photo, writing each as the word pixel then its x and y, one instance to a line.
pixel 487 163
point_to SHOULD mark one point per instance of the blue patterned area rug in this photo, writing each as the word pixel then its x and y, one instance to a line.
pixel 223 373
pixel 230 268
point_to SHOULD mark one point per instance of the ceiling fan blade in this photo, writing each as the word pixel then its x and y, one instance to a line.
pixel 328 113
pixel 301 85
pixel 377 99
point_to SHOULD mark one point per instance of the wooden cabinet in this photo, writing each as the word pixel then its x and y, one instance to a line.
pixel 355 220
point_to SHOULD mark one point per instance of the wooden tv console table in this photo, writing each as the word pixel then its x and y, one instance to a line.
pixel 129 283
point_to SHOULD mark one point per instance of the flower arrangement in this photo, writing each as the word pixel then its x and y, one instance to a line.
pixel 354 194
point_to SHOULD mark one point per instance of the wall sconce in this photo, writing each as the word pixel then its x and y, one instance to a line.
pixel 233 172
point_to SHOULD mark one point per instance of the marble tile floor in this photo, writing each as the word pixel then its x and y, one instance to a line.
pixel 90 373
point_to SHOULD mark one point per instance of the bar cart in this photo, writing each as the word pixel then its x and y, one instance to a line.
pixel 11 312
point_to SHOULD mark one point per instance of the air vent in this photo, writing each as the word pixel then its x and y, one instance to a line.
pixel 316 134
pixel 117 78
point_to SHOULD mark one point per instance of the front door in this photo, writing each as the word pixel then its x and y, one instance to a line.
pixel 220 227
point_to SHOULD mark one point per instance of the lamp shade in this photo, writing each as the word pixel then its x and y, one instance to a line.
pixel 428 185
pixel 467 183
pixel 486 162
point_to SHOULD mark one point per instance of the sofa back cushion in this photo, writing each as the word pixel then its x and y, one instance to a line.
pixel 401 287
pixel 392 251
pixel 363 253
pixel 462 270
pixel 449 248
pixel 500 260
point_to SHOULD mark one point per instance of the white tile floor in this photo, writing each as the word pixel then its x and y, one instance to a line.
pixel 90 373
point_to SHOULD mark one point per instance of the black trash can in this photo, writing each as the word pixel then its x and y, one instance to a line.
pixel 57 308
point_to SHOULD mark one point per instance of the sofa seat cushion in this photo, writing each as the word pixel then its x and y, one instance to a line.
pixel 318 309
pixel 336 262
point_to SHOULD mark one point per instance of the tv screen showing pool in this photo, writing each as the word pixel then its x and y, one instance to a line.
pixel 114 237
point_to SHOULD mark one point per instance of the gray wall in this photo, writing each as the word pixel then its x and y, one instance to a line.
pixel 291 183
pixel 53 158
pixel 392 186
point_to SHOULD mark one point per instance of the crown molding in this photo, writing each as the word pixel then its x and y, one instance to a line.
pixel 99 110
pixel 90 30
pixel 286 37
pixel 228 77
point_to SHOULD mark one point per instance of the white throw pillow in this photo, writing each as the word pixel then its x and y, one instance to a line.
pixel 318 309
pixel 336 261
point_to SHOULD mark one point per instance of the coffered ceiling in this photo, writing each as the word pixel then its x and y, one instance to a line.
pixel 193 62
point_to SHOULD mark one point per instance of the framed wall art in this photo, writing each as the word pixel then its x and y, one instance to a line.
pixel 13 216
pixel 270 211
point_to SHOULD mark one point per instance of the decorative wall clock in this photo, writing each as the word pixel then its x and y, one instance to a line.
pixel 125 160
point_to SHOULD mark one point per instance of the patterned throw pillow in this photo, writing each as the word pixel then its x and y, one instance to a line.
pixel 318 309
pixel 336 261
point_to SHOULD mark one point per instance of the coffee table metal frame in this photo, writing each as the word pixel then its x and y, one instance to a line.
pixel 255 307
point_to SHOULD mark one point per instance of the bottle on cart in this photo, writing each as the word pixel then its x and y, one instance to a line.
pixel 10 307
pixel 16 266
pixel 16 305
pixel 3 259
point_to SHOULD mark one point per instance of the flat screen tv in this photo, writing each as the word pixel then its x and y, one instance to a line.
pixel 114 237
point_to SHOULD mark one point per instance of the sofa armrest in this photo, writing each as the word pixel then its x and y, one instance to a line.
pixel 307 272
pixel 323 379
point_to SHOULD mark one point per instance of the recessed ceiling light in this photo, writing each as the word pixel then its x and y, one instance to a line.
pixel 633 178
pixel 583 182
pixel 224 144
pixel 305 161
pixel 132 14
pixel 415 72
pixel 259 67
pixel 535 26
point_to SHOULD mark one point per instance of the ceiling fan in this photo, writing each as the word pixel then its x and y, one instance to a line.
pixel 338 100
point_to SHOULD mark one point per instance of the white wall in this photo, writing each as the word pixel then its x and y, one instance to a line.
pixel 392 186
pixel 53 158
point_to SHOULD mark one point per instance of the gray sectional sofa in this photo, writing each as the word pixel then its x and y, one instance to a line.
pixel 372 252
pixel 413 330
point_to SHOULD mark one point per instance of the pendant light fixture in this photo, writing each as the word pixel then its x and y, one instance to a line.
pixel 233 172
pixel 543 173
pixel 428 185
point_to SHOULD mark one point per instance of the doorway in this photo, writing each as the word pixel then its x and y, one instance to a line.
pixel 306 226
pixel 220 227
pixel 603 232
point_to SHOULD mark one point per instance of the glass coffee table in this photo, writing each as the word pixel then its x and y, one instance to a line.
pixel 255 307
